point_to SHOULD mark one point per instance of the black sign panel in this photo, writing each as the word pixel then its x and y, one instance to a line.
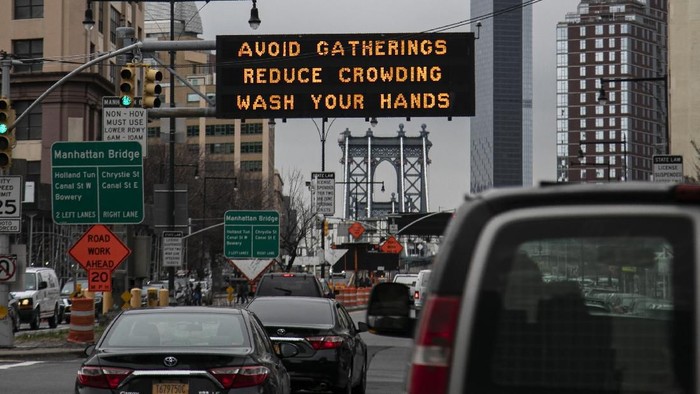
pixel 345 75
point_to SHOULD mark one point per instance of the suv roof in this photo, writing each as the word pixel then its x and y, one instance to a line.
pixel 289 284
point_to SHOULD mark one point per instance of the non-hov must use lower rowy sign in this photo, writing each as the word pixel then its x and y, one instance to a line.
pixel 251 234
pixel 345 75
pixel 97 182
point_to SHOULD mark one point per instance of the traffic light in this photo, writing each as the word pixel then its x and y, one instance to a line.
pixel 151 88
pixel 127 85
pixel 7 137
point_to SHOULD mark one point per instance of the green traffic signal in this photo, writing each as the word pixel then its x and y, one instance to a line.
pixel 125 100
pixel 3 128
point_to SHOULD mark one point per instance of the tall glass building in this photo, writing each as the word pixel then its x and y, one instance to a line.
pixel 501 131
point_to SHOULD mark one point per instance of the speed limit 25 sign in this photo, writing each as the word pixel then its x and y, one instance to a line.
pixel 10 204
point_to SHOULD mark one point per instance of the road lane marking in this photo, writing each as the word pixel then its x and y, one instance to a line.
pixel 24 364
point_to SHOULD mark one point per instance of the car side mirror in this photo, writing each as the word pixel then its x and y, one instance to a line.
pixel 389 311
pixel 89 350
pixel 43 285
pixel 362 326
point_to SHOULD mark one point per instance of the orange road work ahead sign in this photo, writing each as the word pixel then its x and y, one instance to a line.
pixel 391 245
pixel 99 251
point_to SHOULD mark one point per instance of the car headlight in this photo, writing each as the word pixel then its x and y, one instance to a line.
pixel 25 301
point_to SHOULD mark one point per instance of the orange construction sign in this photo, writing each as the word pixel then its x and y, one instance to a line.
pixel 99 248
pixel 391 245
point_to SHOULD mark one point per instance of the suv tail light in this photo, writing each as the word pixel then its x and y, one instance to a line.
pixel 237 377
pixel 430 366
pixel 329 342
pixel 416 295
pixel 102 377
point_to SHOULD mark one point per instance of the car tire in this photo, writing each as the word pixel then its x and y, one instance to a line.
pixel 361 387
pixel 53 320
pixel 36 319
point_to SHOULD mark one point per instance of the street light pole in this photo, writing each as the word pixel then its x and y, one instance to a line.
pixel 603 99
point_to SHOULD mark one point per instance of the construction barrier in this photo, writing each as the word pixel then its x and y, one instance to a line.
pixel 351 296
pixel 135 298
pixel 363 296
pixel 82 320
pixel 152 297
pixel 163 297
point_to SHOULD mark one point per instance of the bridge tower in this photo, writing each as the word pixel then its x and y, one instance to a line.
pixel 361 156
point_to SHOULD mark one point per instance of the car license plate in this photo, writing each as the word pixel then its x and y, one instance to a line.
pixel 171 388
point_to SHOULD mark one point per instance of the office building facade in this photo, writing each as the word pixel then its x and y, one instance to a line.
pixel 600 47
pixel 501 131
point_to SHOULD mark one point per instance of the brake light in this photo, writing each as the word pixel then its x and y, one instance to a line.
pixel 102 377
pixel 287 275
pixel 237 377
pixel 430 365
pixel 687 193
pixel 329 342
pixel 416 295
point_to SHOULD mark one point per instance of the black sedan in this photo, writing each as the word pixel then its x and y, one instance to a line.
pixel 185 350
pixel 332 355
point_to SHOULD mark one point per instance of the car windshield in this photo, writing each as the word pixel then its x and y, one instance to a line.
pixel 177 330
pixel 30 281
pixel 292 312
pixel 407 280
pixel 288 286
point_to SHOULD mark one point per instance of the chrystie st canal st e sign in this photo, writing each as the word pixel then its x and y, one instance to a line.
pixel 251 234
pixel 97 182
pixel 99 251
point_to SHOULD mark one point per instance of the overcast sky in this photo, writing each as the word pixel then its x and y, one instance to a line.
pixel 298 145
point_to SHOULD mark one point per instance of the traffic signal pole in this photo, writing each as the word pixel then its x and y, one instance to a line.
pixel 7 337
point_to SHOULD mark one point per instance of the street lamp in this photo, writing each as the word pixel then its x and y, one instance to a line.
pixel 254 20
pixel 603 99
pixel 323 133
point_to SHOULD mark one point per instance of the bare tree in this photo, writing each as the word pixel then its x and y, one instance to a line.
pixel 297 216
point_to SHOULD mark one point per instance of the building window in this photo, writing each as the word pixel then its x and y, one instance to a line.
pixel 582 71
pixel 582 31
pixel 193 130
pixel 598 42
pixel 599 56
pixel 192 97
pixel 220 148
pixel 153 132
pixel 582 136
pixel 30 52
pixel 600 173
pixel 599 135
pixel 220 129
pixel 251 147
pixel 600 148
pixel 29 128
pixel 582 110
pixel 582 44
pixel 582 84
pixel 582 97
pixel 611 43
pixel 599 70
pixel 582 123
pixel 100 17
pixel 582 58
pixel 599 122
pixel 599 30
pixel 29 9
pixel 251 128
pixel 251 165
pixel 114 22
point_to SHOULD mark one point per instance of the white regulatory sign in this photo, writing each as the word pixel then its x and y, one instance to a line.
pixel 172 248
pixel 124 124
pixel 10 204
pixel 668 168
pixel 324 192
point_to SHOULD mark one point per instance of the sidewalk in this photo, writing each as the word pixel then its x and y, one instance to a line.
pixel 27 347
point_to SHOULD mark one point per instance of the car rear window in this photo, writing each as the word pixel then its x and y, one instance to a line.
pixel 292 312
pixel 288 286
pixel 407 280
pixel 600 306
pixel 177 330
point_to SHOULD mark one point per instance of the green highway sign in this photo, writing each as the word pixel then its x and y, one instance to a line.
pixel 97 182
pixel 251 234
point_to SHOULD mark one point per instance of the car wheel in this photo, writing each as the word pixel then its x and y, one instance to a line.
pixel 36 319
pixel 53 320
pixel 361 387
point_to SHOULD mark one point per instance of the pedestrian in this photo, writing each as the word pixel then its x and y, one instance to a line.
pixel 197 294
pixel 242 292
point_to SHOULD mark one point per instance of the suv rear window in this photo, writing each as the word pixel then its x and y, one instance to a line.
pixel 604 305
pixel 288 285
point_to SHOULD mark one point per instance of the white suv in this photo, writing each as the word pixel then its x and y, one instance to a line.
pixel 41 298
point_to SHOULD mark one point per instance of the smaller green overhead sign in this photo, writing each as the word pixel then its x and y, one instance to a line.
pixel 251 234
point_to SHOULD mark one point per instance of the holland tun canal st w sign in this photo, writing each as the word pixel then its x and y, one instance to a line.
pixel 97 182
